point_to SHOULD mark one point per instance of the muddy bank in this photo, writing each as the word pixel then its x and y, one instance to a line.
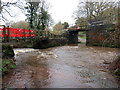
pixel 38 43
pixel 63 67
pixel 7 61
pixel 115 68
pixel 7 51
pixel 20 44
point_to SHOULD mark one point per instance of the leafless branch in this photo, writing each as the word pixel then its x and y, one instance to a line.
pixel 8 12
pixel 6 7
pixel 7 4
pixel 3 18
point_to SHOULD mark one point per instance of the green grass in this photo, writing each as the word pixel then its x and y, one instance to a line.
pixel 117 72
pixel 83 37
pixel 6 65
pixel 81 33
pixel 29 46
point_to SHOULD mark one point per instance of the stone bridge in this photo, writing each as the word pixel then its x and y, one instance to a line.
pixel 73 34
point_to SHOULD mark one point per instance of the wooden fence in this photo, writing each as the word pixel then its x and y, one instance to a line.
pixel 25 34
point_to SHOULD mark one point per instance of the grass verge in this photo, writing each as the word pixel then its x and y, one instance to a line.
pixel 7 65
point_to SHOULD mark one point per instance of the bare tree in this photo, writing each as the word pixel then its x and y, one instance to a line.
pixel 21 25
pixel 5 7
pixel 95 10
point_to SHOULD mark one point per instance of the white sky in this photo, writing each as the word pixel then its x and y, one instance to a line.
pixel 60 10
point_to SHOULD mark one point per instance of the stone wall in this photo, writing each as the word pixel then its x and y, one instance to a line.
pixel 103 38
pixel 43 44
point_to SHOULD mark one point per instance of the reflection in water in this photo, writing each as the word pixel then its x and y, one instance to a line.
pixel 74 66
pixel 62 76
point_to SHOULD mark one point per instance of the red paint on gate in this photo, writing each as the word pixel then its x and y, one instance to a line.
pixel 15 32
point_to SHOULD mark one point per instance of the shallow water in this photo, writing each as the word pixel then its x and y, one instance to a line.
pixel 74 66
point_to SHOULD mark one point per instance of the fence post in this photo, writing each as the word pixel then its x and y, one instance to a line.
pixel 24 35
pixel 48 34
pixel 44 34
pixel 30 34
pixel 8 31
pixel 4 33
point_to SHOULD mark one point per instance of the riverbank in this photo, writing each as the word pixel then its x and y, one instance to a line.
pixel 115 68
pixel 7 62
pixel 38 43
pixel 43 44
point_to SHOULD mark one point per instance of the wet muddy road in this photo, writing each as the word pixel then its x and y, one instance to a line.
pixel 62 67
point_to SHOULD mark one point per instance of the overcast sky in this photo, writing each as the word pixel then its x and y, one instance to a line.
pixel 60 10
